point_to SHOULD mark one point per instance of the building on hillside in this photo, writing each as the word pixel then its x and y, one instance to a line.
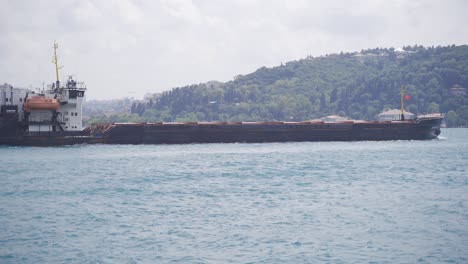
pixel 333 118
pixel 401 53
pixel 394 114
pixel 457 90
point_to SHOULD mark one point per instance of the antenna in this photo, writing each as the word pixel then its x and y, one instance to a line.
pixel 55 61
pixel 402 97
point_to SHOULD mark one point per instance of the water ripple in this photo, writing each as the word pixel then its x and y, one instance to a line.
pixel 336 202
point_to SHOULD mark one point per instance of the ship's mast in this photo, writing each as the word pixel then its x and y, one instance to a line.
pixel 55 61
pixel 402 95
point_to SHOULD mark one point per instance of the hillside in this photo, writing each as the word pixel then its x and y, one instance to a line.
pixel 357 85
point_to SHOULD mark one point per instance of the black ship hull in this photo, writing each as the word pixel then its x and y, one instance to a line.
pixel 424 129
pixel 249 132
pixel 50 139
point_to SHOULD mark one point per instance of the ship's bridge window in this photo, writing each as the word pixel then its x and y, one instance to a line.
pixel 7 99
pixel 21 100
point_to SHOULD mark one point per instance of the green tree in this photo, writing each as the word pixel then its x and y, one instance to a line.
pixel 462 113
pixel 433 108
pixel 314 87
pixel 451 119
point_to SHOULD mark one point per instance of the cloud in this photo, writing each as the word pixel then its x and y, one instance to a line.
pixel 131 47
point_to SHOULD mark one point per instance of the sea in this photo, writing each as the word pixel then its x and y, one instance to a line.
pixel 314 202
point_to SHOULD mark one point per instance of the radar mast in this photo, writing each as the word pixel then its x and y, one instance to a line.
pixel 57 67
pixel 402 95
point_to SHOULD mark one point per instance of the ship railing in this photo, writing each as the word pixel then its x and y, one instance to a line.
pixel 44 122
pixel 57 133
pixel 99 129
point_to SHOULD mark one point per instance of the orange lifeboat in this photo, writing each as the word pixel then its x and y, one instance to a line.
pixel 40 103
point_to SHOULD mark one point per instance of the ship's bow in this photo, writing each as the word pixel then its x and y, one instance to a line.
pixel 430 127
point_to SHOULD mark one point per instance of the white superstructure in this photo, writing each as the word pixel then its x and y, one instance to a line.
pixel 57 108
pixel 68 117
pixel 71 100
pixel 13 96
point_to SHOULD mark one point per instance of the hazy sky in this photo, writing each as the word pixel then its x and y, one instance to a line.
pixel 131 47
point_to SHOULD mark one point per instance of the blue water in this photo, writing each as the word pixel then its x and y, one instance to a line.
pixel 337 202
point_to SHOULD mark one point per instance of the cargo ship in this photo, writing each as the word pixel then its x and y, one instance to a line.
pixel 53 117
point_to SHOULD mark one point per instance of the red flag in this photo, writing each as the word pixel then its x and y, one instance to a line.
pixel 407 97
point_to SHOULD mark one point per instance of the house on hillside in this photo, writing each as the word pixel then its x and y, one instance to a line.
pixel 401 53
pixel 333 118
pixel 457 90
pixel 394 114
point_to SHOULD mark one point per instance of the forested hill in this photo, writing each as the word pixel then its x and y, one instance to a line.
pixel 357 85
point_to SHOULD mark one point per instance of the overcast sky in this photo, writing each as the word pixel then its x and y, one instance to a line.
pixel 126 48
